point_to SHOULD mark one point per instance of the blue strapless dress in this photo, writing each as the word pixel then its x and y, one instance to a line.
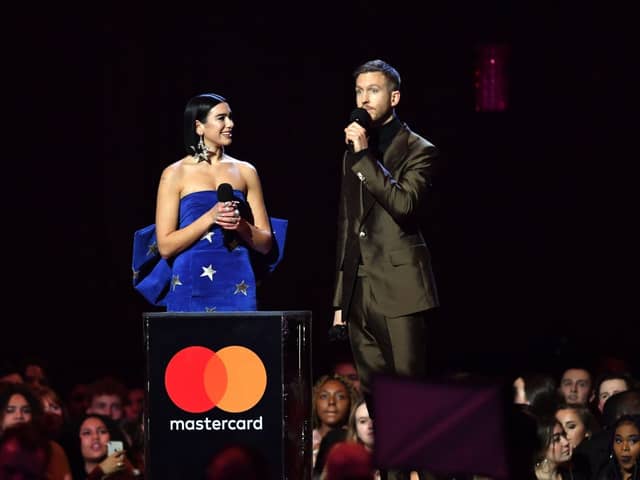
pixel 206 277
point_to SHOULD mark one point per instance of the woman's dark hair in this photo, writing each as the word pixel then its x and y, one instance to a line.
pixel 197 109
pixel 71 441
pixel 612 470
pixel 544 429
pixel 10 389
pixel 542 393
pixel 589 420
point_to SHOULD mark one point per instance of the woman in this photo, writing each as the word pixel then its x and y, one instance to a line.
pixel 209 246
pixel 578 422
pixel 333 399
pixel 91 459
pixel 18 405
pixel 624 461
pixel 553 460
pixel 360 427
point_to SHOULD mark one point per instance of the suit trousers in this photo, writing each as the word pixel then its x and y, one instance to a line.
pixel 383 345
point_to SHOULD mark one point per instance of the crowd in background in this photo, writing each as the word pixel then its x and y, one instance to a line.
pixel 579 422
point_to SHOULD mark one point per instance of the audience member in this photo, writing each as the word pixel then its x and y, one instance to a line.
pixel 576 386
pixel 87 449
pixel 25 453
pixel 333 398
pixel 348 461
pixel 624 447
pixel 610 383
pixel 238 462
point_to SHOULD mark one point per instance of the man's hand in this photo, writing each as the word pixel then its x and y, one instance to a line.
pixel 338 331
pixel 337 318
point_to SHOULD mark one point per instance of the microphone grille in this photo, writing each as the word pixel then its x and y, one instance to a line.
pixel 361 116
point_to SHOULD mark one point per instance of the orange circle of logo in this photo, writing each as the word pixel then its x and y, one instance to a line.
pixel 198 379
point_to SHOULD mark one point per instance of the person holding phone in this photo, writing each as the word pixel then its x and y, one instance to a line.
pixel 97 453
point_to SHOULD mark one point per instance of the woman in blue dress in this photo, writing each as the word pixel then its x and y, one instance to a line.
pixel 207 242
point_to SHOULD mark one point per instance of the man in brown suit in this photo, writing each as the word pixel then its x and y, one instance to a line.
pixel 384 285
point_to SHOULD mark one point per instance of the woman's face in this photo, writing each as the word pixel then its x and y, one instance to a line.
pixel 559 450
pixel 364 426
pixel 17 411
pixel 575 429
pixel 94 436
pixel 217 130
pixel 626 446
pixel 333 403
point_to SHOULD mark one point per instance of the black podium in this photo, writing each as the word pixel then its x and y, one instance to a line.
pixel 227 379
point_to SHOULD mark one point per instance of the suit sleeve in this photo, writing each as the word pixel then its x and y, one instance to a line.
pixel 341 238
pixel 401 197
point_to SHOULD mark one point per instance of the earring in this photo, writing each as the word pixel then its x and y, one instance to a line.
pixel 201 152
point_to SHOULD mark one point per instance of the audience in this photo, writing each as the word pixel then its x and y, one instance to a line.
pixel 577 429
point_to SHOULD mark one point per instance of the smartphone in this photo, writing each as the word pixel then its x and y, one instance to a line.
pixel 114 446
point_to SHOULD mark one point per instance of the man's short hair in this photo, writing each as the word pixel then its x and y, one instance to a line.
pixel 391 74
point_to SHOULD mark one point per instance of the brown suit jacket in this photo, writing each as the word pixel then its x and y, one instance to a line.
pixel 380 207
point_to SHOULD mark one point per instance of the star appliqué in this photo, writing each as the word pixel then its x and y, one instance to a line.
pixel 208 271
pixel 152 249
pixel 175 281
pixel 207 236
pixel 241 288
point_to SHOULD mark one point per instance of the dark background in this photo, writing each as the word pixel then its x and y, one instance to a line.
pixel 533 208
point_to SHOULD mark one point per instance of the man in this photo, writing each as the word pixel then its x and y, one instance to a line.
pixel 610 383
pixel 576 386
pixel 384 283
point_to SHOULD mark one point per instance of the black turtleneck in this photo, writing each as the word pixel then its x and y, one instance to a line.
pixel 383 135
pixel 380 138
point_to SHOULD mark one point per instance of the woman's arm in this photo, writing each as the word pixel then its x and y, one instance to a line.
pixel 257 236
pixel 172 240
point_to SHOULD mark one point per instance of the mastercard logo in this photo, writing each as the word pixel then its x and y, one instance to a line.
pixel 198 379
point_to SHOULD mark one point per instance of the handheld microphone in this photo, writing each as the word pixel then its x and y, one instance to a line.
pixel 225 194
pixel 361 116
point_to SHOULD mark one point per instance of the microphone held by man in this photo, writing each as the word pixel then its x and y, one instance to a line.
pixel 359 122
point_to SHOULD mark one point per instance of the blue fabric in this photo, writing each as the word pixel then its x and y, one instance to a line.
pixel 206 277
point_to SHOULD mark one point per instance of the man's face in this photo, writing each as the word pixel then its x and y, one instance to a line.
pixel 608 388
pixel 348 371
pixel 107 405
pixel 575 386
pixel 374 94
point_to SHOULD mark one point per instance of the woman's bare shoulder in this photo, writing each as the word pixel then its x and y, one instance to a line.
pixel 177 168
pixel 241 164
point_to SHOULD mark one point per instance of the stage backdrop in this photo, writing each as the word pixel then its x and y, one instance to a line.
pixel 220 379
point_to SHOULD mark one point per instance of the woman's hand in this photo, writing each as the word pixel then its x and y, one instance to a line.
pixel 115 462
pixel 227 215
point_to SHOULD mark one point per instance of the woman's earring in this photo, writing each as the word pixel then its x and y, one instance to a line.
pixel 201 151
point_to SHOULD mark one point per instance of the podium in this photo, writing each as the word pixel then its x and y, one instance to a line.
pixel 215 380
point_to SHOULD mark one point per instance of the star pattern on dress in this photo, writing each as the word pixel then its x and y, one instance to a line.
pixel 208 271
pixel 241 288
pixel 175 281
pixel 209 309
pixel 152 249
pixel 208 236
pixel 136 273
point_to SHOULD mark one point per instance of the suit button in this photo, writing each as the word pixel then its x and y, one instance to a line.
pixel 362 234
